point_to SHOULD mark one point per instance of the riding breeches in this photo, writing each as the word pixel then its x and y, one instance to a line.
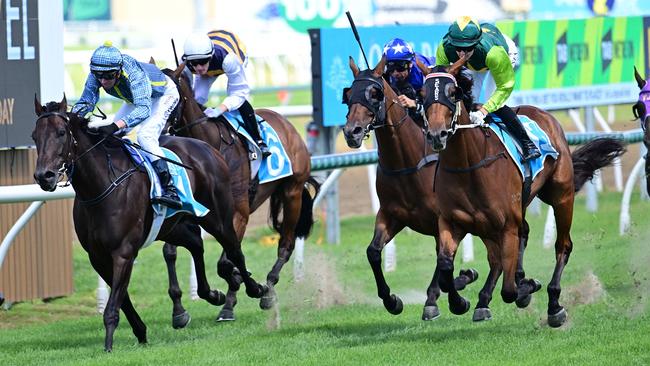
pixel 149 130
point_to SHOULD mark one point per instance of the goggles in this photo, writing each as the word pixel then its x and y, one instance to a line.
pixel 106 75
pixel 398 66
pixel 200 61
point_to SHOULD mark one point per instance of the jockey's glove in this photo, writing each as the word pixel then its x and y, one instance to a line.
pixel 477 117
pixel 213 112
pixel 107 129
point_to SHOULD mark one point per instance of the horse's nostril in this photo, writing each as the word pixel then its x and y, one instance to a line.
pixel 49 174
pixel 357 130
pixel 443 134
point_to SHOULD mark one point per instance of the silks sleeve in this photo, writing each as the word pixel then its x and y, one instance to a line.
pixel 441 56
pixel 498 62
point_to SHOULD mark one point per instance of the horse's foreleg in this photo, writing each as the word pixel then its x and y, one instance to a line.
pixel 122 268
pixel 180 317
pixel 525 287
pixel 138 326
pixel 385 230
pixel 228 272
pixel 563 246
pixel 509 258
pixel 482 310
pixel 445 266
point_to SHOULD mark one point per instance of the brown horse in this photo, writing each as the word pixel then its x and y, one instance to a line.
pixel 404 176
pixel 641 110
pixel 112 221
pixel 291 202
pixel 480 190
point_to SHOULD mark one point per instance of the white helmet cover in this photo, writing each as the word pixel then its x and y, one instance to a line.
pixel 197 46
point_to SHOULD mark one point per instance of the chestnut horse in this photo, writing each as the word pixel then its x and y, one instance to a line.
pixel 404 176
pixel 112 211
pixel 480 190
pixel 291 202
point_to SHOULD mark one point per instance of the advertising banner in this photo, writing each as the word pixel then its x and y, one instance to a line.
pixel 19 71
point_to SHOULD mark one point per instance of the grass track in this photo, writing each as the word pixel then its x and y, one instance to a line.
pixel 333 317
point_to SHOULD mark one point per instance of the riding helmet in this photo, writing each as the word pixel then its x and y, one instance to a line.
pixel 106 58
pixel 197 46
pixel 398 50
pixel 464 32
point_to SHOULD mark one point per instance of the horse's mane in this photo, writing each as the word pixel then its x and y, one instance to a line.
pixel 464 81
pixel 81 121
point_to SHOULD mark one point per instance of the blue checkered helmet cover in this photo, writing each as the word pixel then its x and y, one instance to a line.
pixel 398 50
pixel 106 58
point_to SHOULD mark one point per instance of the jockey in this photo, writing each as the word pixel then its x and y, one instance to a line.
pixel 150 97
pixel 487 49
pixel 221 52
pixel 404 76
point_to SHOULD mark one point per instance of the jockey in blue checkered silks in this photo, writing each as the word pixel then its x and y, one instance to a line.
pixel 404 76
pixel 150 97
pixel 221 52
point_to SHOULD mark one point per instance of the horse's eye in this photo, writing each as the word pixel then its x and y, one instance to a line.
pixel 61 132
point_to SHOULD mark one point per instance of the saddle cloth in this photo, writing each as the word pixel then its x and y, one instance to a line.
pixel 273 167
pixel 182 183
pixel 537 136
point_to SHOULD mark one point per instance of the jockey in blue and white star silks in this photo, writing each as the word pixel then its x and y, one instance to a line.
pixel 403 74
pixel 150 97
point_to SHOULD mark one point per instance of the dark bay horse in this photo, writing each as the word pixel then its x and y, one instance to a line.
pixel 404 176
pixel 480 190
pixel 641 110
pixel 112 210
pixel 291 203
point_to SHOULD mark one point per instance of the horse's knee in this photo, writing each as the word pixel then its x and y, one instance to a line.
pixel 224 268
pixel 373 254
pixel 508 295
pixel 175 292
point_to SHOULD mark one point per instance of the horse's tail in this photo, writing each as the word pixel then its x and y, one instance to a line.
pixel 592 156
pixel 306 219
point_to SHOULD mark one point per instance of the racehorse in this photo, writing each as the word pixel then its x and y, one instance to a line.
pixel 112 211
pixel 291 203
pixel 480 189
pixel 641 110
pixel 404 176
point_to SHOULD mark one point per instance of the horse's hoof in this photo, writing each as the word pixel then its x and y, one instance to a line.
pixel 523 302
pixel 557 319
pixel 398 306
pixel 460 309
pixel 481 314
pixel 430 312
pixel 470 273
pixel 268 299
pixel 226 315
pixel 181 320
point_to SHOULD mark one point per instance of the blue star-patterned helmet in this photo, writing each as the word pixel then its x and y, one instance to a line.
pixel 106 58
pixel 398 50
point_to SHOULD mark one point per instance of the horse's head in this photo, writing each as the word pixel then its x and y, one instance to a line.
pixel 366 103
pixel 189 111
pixel 641 108
pixel 54 142
pixel 443 102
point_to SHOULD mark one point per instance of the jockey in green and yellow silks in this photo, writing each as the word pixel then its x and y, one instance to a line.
pixel 492 57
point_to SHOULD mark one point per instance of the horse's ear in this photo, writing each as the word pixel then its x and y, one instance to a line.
pixel 379 69
pixel 38 108
pixel 152 61
pixel 425 70
pixel 639 79
pixel 63 106
pixel 353 67
pixel 179 70
pixel 458 64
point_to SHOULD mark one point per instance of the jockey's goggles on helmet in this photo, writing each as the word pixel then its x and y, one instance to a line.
pixel 199 61
pixel 465 49
pixel 106 75
pixel 398 66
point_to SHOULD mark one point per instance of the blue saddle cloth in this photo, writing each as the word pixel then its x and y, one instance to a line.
pixel 273 167
pixel 537 136
pixel 181 181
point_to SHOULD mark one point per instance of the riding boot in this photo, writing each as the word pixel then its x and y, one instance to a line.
pixel 251 125
pixel 169 196
pixel 516 128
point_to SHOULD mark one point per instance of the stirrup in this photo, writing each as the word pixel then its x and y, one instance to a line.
pixel 264 148
pixel 531 153
pixel 172 201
